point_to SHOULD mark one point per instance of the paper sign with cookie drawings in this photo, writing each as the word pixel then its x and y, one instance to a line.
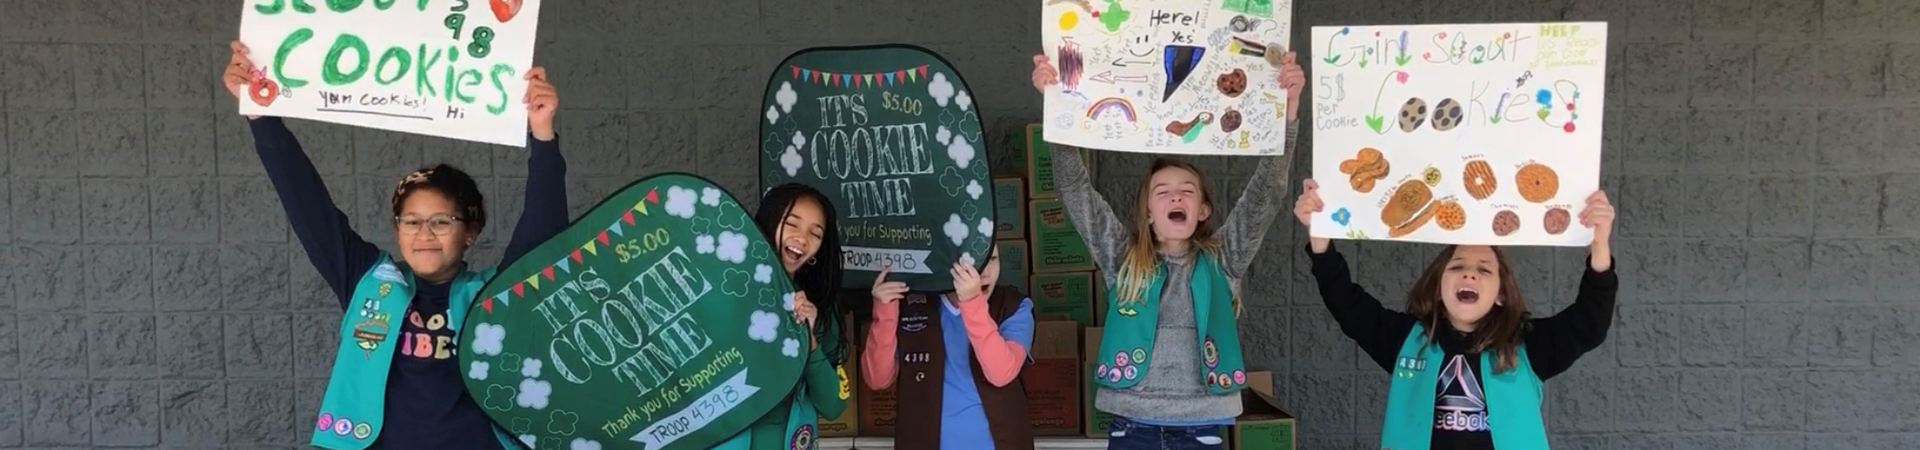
pixel 449 69
pixel 661 319
pixel 1198 77
pixel 1460 134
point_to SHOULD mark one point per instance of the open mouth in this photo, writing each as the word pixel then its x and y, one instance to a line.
pixel 1177 216
pixel 1467 296
pixel 793 253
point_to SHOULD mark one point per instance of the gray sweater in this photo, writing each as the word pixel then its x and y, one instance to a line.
pixel 1174 390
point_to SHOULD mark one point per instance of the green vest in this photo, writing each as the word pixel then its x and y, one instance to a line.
pixel 354 408
pixel 801 430
pixel 1513 399
pixel 1128 338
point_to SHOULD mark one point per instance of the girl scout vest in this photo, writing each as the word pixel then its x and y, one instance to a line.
pixel 921 381
pixel 1129 334
pixel 354 408
pixel 1513 399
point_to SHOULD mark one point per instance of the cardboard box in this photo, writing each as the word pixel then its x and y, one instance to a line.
pixel 848 424
pixel 1040 164
pixel 1263 424
pixel 1053 380
pixel 1016 145
pixel 1013 265
pixel 1092 419
pixel 1057 246
pixel 878 410
pixel 1063 296
pixel 1010 208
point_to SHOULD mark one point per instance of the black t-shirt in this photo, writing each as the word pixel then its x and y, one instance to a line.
pixel 427 402
pixel 1459 407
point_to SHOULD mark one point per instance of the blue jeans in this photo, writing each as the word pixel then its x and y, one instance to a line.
pixel 1123 434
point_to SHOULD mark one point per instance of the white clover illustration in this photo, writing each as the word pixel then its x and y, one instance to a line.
pixel 799 140
pixel 763 273
pixel 488 338
pixel 940 89
pixel 534 393
pixel 530 367
pixel 965 101
pixel 791 161
pixel 710 196
pixel 773 115
pixel 974 190
pixel 786 301
pixel 943 135
pixel 986 226
pixel 478 370
pixel 790 347
pixel 955 229
pixel 961 151
pixel 703 244
pixel 680 202
pixel 733 247
pixel 583 444
pixel 763 326
pixel 786 97
pixel 528 439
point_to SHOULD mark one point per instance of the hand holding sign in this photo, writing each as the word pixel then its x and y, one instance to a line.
pixel 239 74
pixel 886 292
pixel 1294 79
pixel 542 101
pixel 966 281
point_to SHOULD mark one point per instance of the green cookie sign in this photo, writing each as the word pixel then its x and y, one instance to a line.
pixel 892 134
pixel 634 328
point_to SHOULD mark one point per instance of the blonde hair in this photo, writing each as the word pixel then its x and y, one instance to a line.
pixel 1141 263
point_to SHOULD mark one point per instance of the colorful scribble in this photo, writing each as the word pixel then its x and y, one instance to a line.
pixel 1374 119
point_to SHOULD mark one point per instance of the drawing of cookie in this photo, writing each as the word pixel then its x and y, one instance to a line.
pixel 1414 224
pixel 1505 222
pixel 1366 168
pixel 1447 115
pixel 1556 221
pixel 1479 179
pixel 1230 120
pixel 1537 182
pixel 1406 201
pixel 1412 114
pixel 1431 176
pixel 1232 83
pixel 1450 215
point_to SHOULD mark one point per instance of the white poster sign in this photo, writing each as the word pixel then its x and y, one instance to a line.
pixel 448 68
pixel 1198 77
pixel 1463 134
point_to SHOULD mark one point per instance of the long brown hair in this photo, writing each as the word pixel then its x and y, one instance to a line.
pixel 1502 327
pixel 1141 262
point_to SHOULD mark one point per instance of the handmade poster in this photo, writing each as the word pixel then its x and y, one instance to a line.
pixel 1196 77
pixel 634 327
pixel 1460 134
pixel 451 69
pixel 892 134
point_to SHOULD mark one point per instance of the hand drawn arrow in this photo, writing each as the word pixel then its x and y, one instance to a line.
pixel 1109 78
pixel 1122 62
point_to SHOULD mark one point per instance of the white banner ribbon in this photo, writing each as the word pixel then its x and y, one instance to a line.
pixel 701 413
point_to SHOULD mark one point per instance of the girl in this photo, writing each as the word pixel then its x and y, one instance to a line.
pixel 422 292
pixel 800 222
pixel 1169 360
pixel 1466 349
pixel 965 362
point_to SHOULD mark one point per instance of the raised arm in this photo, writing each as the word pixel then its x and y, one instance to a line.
pixel 1554 343
pixel 339 253
pixel 878 362
pixel 1105 235
pixel 1246 226
pixel 545 212
pixel 1378 330
pixel 1001 347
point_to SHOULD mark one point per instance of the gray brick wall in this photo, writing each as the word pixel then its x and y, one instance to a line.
pixel 1761 152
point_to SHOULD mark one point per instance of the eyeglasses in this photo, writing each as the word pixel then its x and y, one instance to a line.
pixel 440 224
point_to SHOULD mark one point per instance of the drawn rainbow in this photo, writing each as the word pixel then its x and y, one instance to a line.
pixel 1113 103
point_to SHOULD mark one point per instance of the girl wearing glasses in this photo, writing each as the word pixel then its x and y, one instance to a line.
pixel 396 382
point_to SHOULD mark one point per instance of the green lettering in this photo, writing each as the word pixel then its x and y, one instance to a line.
pixel 270 9
pixel 280 57
pixel 301 6
pixel 344 5
pixel 455 22
pixel 383 5
pixel 469 78
pixel 393 53
pixel 421 86
pixel 330 67
pixel 499 84
pixel 453 54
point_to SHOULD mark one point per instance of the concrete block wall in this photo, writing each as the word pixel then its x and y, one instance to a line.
pixel 1762 154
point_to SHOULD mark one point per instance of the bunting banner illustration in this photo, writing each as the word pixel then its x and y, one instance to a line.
pixel 896 144
pixel 632 329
